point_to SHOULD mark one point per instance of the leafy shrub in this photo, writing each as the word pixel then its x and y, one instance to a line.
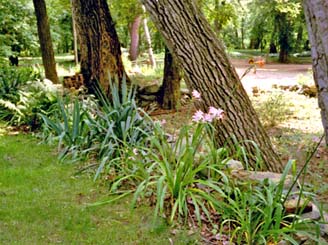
pixel 12 79
pixel 274 109
pixel 23 95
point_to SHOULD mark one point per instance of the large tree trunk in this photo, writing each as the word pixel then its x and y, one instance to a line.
pixel 134 37
pixel 208 70
pixel 99 44
pixel 47 51
pixel 169 97
pixel 316 13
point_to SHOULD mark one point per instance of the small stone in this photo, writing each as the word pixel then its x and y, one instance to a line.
pixel 283 242
pixel 148 97
pixel 234 165
pixel 292 206
pixel 324 227
pixel 152 88
pixel 185 91
pixel 313 215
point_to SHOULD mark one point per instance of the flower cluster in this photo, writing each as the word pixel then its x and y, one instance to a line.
pixel 196 94
pixel 213 113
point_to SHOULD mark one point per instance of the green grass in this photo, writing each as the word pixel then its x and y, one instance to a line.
pixel 42 201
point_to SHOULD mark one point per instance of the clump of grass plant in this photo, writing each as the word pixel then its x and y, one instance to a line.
pixel 255 214
pixel 86 127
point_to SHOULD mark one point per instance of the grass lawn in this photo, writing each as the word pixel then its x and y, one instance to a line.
pixel 42 201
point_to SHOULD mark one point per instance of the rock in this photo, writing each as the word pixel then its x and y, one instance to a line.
pixel 294 88
pixel 292 206
pixel 255 91
pixel 310 91
pixel 324 227
pixel 185 91
pixel 313 215
pixel 152 88
pixel 259 176
pixel 234 165
pixel 147 97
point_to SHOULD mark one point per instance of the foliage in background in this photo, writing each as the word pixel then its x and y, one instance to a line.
pixel 23 95
pixel 17 28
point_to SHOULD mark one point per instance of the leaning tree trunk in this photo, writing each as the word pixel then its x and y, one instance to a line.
pixel 99 44
pixel 47 51
pixel 316 13
pixel 208 70
pixel 169 96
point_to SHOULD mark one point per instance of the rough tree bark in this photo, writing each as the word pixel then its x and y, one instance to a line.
pixel 99 44
pixel 47 51
pixel 134 37
pixel 316 13
pixel 208 70
pixel 169 96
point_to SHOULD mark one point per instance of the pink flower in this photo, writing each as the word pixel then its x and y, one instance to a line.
pixel 216 113
pixel 198 116
pixel 196 94
pixel 208 117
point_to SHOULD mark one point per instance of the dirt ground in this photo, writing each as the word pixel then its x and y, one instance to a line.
pixel 272 73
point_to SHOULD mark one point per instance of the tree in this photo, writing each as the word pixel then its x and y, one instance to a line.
pixel 152 60
pixel 169 96
pixel 316 13
pixel 47 52
pixel 208 70
pixel 134 35
pixel 99 44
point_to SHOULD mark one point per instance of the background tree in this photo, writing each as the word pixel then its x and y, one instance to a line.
pixel 316 12
pixel 48 57
pixel 207 69
pixel 169 96
pixel 99 44
pixel 134 39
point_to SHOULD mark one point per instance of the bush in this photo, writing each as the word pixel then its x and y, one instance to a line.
pixel 273 110
pixel 23 96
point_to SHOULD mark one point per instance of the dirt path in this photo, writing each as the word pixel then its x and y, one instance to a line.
pixel 269 74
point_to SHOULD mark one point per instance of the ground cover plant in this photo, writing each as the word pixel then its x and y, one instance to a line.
pixel 182 176
pixel 44 202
